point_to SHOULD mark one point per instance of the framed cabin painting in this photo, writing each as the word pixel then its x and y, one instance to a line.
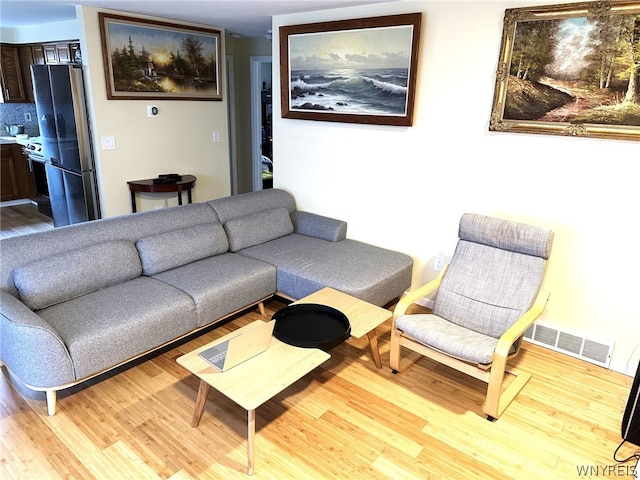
pixel 146 59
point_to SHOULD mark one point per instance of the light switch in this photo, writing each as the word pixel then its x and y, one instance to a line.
pixel 108 143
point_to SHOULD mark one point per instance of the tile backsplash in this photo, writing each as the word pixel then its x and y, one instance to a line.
pixel 16 113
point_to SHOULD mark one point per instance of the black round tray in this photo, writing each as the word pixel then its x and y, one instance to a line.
pixel 311 325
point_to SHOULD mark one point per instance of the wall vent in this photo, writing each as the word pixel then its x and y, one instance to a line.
pixel 570 343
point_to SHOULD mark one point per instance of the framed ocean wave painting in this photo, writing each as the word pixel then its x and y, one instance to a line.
pixel 354 71
pixel 570 69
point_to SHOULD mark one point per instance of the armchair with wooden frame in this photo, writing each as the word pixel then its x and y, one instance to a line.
pixel 487 297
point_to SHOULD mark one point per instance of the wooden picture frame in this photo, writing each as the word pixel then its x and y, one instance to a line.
pixel 571 69
pixel 147 59
pixel 354 71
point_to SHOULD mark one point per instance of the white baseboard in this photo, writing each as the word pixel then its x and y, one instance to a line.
pixel 12 203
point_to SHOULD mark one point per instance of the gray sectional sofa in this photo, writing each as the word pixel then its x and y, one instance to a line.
pixel 81 300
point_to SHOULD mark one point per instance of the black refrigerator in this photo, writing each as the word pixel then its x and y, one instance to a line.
pixel 66 145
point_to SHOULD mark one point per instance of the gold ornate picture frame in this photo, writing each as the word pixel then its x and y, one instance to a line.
pixel 571 69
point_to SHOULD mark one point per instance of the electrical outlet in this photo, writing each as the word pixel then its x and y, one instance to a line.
pixel 438 263
pixel 216 136
pixel 27 116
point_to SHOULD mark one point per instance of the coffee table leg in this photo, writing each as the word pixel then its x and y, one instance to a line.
pixel 201 399
pixel 373 344
pixel 251 433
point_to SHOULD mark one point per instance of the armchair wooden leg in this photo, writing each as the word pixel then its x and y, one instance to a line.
pixel 394 354
pixel 497 400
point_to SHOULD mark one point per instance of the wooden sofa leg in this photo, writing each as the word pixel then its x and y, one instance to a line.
pixel 51 402
pixel 261 308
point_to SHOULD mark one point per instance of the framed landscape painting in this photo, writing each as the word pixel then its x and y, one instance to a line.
pixel 571 69
pixel 354 71
pixel 145 59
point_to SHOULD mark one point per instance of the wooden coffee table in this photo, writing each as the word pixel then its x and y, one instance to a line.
pixel 253 382
pixel 364 317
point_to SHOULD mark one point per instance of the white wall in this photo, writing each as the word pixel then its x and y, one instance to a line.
pixel 41 33
pixel 178 140
pixel 405 188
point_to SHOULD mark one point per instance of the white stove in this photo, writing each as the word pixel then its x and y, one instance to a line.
pixel 33 146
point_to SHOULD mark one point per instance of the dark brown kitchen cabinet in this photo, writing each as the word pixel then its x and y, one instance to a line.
pixel 37 54
pixel 54 53
pixel 11 75
pixel 16 179
pixel 60 52
pixel 50 54
pixel 26 59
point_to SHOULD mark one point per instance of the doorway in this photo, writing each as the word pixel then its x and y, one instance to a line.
pixel 261 132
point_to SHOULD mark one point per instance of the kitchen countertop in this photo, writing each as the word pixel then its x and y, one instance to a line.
pixel 6 140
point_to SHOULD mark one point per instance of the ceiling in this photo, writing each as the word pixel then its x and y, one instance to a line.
pixel 247 18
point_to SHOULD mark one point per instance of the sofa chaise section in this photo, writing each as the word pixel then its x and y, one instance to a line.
pixel 310 251
pixel 307 264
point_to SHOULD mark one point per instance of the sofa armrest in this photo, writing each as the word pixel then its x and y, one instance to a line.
pixel 313 225
pixel 30 348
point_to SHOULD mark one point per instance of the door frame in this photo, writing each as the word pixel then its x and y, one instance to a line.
pixel 256 117
pixel 231 112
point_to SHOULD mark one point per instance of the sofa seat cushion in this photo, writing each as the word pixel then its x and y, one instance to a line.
pixel 102 329
pixel 66 275
pixel 257 228
pixel 307 264
pixel 222 284
pixel 175 248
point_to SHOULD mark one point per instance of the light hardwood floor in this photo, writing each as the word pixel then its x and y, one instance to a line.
pixel 345 420
pixel 22 219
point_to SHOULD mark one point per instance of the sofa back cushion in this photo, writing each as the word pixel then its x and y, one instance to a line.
pixel 67 275
pixel 168 250
pixel 235 206
pixel 21 249
pixel 257 228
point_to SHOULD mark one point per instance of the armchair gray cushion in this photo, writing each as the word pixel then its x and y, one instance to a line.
pixel 449 338
pixel 506 235
pixel 486 289
pixel 494 277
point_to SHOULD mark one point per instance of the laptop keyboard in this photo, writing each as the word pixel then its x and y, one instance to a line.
pixel 218 359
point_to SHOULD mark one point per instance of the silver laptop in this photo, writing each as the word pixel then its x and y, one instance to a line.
pixel 240 348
